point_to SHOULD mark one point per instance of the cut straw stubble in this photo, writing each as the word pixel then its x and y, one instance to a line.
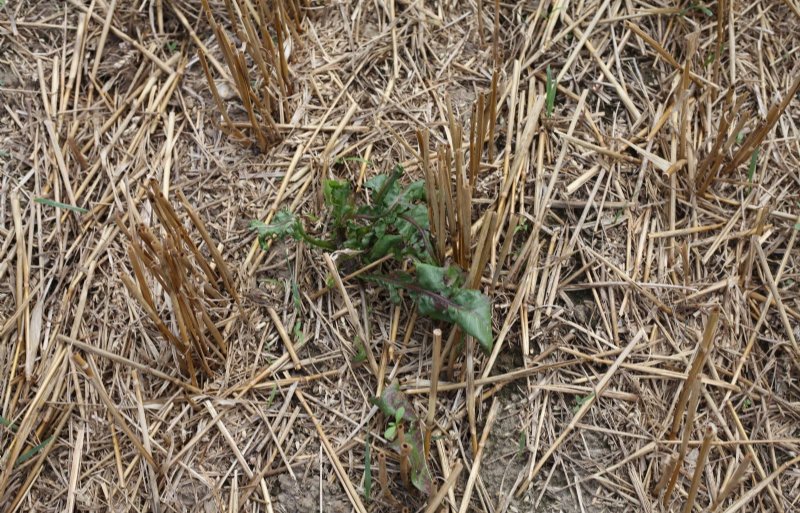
pixel 87 369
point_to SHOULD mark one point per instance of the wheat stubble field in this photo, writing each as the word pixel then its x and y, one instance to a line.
pixel 574 290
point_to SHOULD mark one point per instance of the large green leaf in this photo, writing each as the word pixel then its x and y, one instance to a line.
pixel 443 298
pixel 439 294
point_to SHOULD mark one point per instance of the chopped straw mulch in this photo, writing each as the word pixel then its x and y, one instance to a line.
pixel 627 187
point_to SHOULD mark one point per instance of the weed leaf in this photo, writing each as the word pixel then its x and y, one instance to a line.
pixel 283 225
pixel 286 225
pixel 337 194
pixel 443 298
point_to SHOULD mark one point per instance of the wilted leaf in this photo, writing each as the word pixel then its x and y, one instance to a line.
pixel 392 400
pixel 394 404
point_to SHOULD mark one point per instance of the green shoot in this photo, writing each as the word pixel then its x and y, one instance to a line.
pixel 361 353
pixel 696 7
pixel 25 456
pixel 272 395
pixel 7 423
pixel 360 160
pixel 751 169
pixel 297 332
pixel 58 204
pixel 367 469
pixel 391 431
pixel 580 401
pixel 550 91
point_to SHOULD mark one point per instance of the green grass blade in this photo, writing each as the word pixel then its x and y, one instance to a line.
pixel 550 93
pixel 751 169
pixel 33 451
pixel 7 423
pixel 367 470
pixel 58 204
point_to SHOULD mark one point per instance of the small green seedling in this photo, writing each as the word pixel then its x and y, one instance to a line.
pixel 394 425
pixel 703 9
pixel 523 442
pixel 8 424
pixel 272 395
pixel 297 332
pixel 751 169
pixel 550 93
pixel 361 353
pixel 696 7
pixel 580 401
